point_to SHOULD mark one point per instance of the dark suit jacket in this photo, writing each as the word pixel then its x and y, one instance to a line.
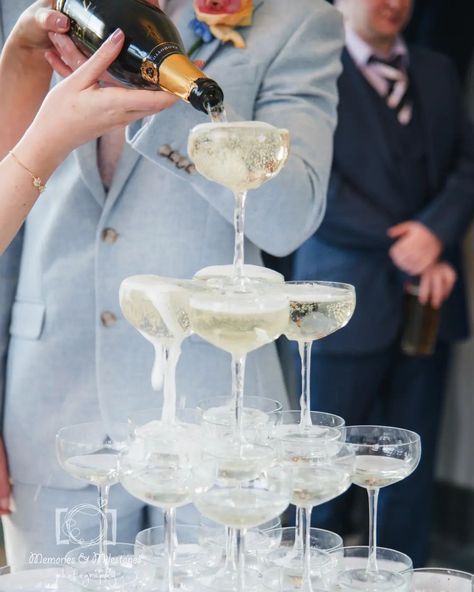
pixel 364 200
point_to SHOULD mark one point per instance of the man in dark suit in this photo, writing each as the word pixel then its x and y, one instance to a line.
pixel 400 199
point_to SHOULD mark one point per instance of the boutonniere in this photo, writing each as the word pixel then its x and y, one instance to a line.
pixel 217 19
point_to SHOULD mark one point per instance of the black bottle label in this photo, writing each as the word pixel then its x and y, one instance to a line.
pixel 151 64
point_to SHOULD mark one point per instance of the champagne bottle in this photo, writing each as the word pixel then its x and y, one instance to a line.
pixel 153 56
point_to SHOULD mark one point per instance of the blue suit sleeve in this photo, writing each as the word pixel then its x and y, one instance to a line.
pixel 298 91
pixel 451 211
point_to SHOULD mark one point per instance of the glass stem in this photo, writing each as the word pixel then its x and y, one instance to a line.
pixel 239 222
pixel 306 514
pixel 240 540
pixel 172 354
pixel 299 544
pixel 238 377
pixel 103 527
pixel 170 534
pixel 305 400
pixel 373 501
pixel 231 561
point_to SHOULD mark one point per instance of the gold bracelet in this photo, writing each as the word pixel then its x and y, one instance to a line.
pixel 37 182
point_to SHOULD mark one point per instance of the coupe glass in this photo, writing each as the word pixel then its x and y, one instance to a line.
pixel 285 552
pixel 149 422
pixel 89 451
pixel 216 275
pixel 166 472
pixel 259 415
pixel 322 425
pixel 259 542
pixel 317 309
pixel 435 579
pixel 240 156
pixel 349 561
pixel 384 455
pixel 242 504
pixel 193 555
pixel 322 468
pixel 158 308
pixel 239 321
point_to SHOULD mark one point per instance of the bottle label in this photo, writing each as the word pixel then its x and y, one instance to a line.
pixel 151 64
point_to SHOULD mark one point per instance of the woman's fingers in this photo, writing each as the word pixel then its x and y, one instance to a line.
pixel 93 69
pixel 150 101
pixel 73 58
pixel 52 20
pixel 56 63
pixel 69 53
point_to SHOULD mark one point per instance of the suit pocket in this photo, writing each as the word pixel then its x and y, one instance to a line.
pixel 27 320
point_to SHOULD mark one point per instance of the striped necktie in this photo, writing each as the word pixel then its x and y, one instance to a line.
pixel 398 96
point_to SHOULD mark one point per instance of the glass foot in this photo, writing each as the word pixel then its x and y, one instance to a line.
pixel 227 581
pixel 86 569
pixel 360 580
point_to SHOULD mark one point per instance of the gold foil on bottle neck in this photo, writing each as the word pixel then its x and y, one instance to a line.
pixel 178 75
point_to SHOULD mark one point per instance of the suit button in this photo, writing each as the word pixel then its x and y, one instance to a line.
pixel 165 150
pixel 182 163
pixel 191 169
pixel 109 235
pixel 108 319
pixel 175 157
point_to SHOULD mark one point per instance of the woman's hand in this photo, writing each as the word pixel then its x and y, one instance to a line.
pixel 31 32
pixel 78 109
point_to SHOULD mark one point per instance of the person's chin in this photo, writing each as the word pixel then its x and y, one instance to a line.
pixel 390 29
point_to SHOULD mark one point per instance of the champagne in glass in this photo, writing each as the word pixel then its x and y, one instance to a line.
pixel 317 309
pixel 166 473
pixel 384 455
pixel 240 156
pixel 219 275
pixel 239 322
pixel 242 505
pixel 322 468
pixel 86 451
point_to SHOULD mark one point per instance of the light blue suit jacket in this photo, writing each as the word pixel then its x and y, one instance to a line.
pixel 63 365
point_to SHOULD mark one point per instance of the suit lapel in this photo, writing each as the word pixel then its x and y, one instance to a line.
pixel 125 166
pixel 86 156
